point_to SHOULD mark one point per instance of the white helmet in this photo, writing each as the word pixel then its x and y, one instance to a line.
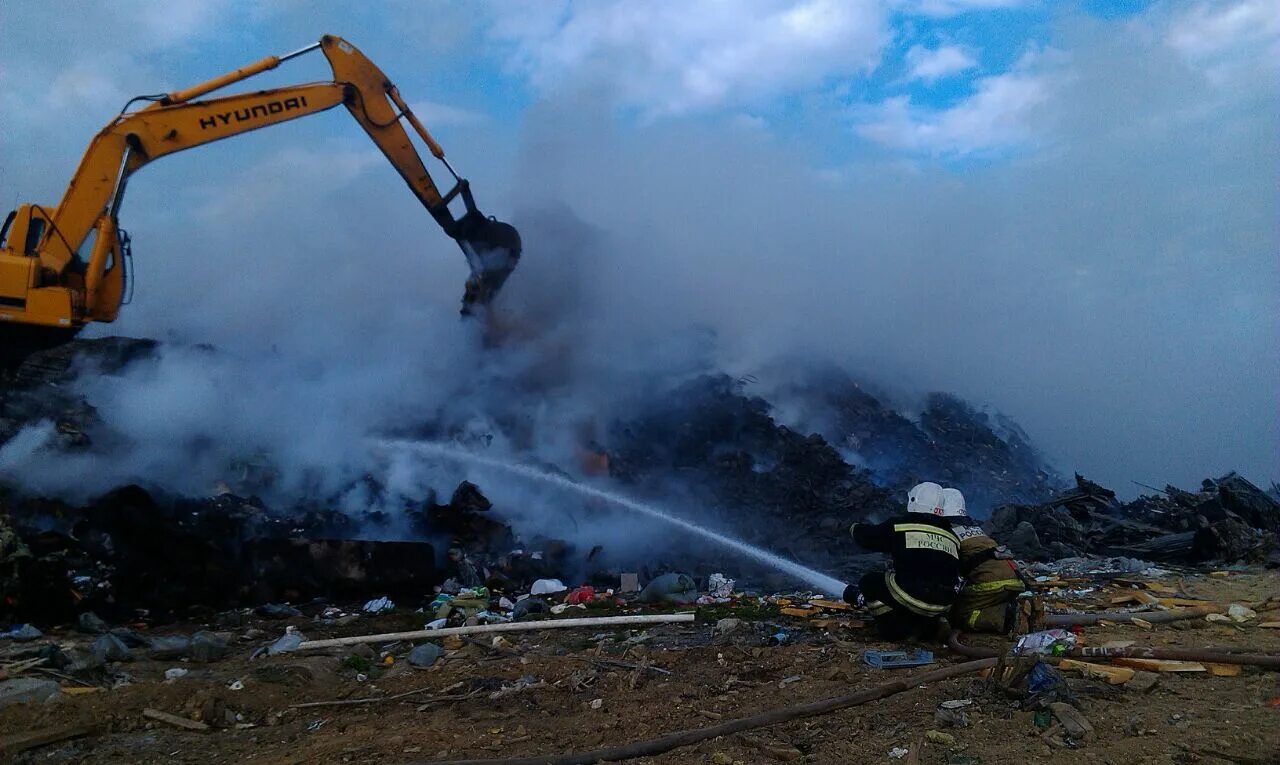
pixel 953 503
pixel 925 498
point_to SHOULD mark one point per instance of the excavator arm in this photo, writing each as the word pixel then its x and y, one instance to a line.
pixel 45 278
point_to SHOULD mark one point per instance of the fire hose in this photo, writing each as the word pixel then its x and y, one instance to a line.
pixel 1266 661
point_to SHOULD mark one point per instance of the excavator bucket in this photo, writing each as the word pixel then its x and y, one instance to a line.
pixel 492 249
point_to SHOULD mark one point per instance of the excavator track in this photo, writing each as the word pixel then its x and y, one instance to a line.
pixel 20 341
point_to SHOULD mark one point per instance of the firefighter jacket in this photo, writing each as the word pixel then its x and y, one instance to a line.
pixel 926 560
pixel 989 581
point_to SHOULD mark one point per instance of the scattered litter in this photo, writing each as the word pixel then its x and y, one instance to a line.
pixel 719 586
pixel 940 738
pixel 581 595
pixel 25 690
pixel 894 659
pixel 1046 643
pixel 1239 613
pixel 897 753
pixel 168 647
pixel 22 633
pixel 288 642
pixel 235 685
pixel 108 647
pixel 175 673
pixel 597 703
pixel 378 605
pixel 547 587
pixel 956 703
pixel 207 647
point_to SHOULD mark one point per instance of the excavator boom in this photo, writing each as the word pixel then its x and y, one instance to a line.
pixel 64 266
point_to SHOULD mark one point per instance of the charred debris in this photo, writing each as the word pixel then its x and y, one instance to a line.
pixel 710 439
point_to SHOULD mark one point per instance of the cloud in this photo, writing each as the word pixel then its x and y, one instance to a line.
pixel 1231 43
pixel 999 116
pixel 945 8
pixel 434 113
pixel 936 63
pixel 1212 29
pixel 669 58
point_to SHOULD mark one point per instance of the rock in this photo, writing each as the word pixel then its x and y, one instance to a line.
pixel 23 633
pixel 207 647
pixel 277 611
pixel 425 655
pixel 1024 542
pixel 90 623
pixel 948 718
pixel 529 606
pixel 27 690
pixel 783 753
pixel 111 648
pixel 670 588
pixel 168 647
pixel 728 625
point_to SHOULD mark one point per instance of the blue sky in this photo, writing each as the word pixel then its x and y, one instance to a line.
pixel 1066 210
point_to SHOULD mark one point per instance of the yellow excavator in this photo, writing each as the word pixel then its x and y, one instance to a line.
pixel 64 266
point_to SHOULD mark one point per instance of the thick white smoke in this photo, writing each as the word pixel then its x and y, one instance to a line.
pixel 1113 288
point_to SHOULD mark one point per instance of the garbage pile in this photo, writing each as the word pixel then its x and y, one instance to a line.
pixel 986 455
pixel 1227 520
pixel 798 493
pixel 131 550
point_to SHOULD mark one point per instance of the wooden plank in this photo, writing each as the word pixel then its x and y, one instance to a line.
pixel 803 613
pixel 17 743
pixel 834 604
pixel 1111 675
pixel 1183 602
pixel 174 720
pixel 1136 596
pixel 1223 670
pixel 1160 665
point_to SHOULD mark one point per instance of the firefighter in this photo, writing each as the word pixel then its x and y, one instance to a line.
pixel 911 598
pixel 992 583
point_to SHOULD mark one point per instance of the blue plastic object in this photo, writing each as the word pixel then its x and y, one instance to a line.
pixel 893 659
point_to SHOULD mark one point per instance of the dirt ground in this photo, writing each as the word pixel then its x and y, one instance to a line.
pixel 559 691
